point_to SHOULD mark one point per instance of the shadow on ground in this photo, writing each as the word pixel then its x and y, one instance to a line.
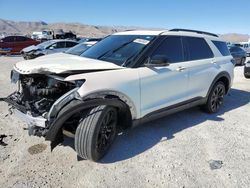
pixel 137 140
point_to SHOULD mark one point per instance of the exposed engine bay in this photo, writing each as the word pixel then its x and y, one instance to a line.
pixel 37 93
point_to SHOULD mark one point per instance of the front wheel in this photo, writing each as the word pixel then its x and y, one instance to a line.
pixel 215 98
pixel 96 132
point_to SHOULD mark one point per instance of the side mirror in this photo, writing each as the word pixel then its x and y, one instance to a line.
pixel 157 61
pixel 51 47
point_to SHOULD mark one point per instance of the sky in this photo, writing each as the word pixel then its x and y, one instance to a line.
pixel 218 16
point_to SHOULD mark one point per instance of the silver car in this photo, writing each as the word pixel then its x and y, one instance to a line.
pixel 48 47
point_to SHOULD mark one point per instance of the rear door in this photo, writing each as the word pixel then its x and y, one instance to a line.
pixel 167 85
pixel 201 65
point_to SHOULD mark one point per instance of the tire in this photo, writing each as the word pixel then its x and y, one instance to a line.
pixel 96 132
pixel 242 61
pixel 246 76
pixel 215 98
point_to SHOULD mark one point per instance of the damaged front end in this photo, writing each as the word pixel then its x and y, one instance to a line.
pixel 39 98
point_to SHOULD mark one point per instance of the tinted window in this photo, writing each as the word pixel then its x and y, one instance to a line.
pixel 222 47
pixel 70 44
pixel 20 38
pixel 78 49
pixel 59 45
pixel 240 45
pixel 171 48
pixel 197 48
pixel 8 39
pixel 235 49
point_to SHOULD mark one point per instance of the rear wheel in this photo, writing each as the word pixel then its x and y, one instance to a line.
pixel 96 132
pixel 215 98
pixel 246 75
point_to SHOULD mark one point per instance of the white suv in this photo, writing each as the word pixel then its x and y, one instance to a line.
pixel 126 79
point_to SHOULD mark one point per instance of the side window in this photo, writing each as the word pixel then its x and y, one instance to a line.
pixel 20 39
pixel 59 45
pixel 197 48
pixel 222 47
pixel 235 49
pixel 70 44
pixel 8 39
pixel 171 48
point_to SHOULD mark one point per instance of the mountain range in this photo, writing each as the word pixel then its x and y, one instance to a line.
pixel 83 30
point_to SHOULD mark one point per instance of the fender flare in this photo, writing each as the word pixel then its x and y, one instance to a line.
pixel 54 133
pixel 218 77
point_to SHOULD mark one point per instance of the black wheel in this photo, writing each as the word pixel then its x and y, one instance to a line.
pixel 215 98
pixel 246 76
pixel 242 61
pixel 96 132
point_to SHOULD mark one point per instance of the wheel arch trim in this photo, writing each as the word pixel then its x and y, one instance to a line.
pixel 54 133
pixel 221 75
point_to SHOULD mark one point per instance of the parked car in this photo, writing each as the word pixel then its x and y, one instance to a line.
pixel 43 35
pixel 126 79
pixel 70 53
pixel 238 54
pixel 80 48
pixel 60 34
pixel 69 35
pixel 247 70
pixel 48 47
pixel 15 44
pixel 246 47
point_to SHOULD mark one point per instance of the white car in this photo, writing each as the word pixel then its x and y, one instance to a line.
pixel 47 47
pixel 126 79
pixel 43 35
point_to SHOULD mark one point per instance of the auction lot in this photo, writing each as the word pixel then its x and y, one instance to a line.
pixel 187 149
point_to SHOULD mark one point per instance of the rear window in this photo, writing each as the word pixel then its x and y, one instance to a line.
pixel 197 48
pixel 222 47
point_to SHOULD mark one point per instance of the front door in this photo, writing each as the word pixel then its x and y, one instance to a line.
pixel 167 85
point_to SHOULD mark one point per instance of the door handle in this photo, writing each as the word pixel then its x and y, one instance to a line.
pixel 181 69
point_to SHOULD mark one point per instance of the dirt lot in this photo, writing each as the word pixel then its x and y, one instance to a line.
pixel 181 150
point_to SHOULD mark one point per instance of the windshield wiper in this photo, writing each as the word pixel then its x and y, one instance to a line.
pixel 115 50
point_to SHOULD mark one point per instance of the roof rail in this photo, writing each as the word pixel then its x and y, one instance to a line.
pixel 195 31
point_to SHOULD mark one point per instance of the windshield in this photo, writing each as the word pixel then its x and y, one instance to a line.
pixel 43 45
pixel 78 49
pixel 118 49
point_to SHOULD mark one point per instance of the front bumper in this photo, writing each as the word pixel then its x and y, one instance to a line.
pixel 39 125
pixel 36 125
pixel 30 120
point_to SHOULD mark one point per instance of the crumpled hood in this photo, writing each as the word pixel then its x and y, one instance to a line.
pixel 30 48
pixel 62 64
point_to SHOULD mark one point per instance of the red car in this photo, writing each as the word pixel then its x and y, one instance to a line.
pixel 14 44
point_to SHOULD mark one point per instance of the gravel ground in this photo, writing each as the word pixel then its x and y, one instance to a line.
pixel 187 149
